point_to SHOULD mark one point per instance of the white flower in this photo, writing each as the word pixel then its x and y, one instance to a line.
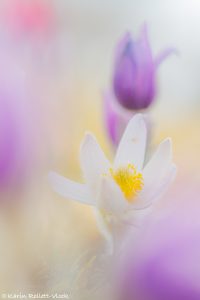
pixel 127 185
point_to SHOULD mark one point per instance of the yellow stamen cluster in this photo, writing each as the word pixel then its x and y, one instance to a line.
pixel 129 180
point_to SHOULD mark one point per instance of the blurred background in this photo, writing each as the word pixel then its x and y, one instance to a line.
pixel 56 60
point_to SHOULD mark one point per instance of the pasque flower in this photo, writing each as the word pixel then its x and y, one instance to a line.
pixel 134 78
pixel 125 186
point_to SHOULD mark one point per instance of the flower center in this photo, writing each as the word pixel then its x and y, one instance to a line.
pixel 129 180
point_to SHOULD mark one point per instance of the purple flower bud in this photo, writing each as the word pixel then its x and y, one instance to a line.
pixel 134 72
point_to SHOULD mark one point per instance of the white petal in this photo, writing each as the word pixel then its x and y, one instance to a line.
pixel 158 164
pixel 136 217
pixel 70 189
pixel 158 173
pixel 162 187
pixel 133 143
pixel 93 161
pixel 141 202
pixel 111 198
pixel 148 196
